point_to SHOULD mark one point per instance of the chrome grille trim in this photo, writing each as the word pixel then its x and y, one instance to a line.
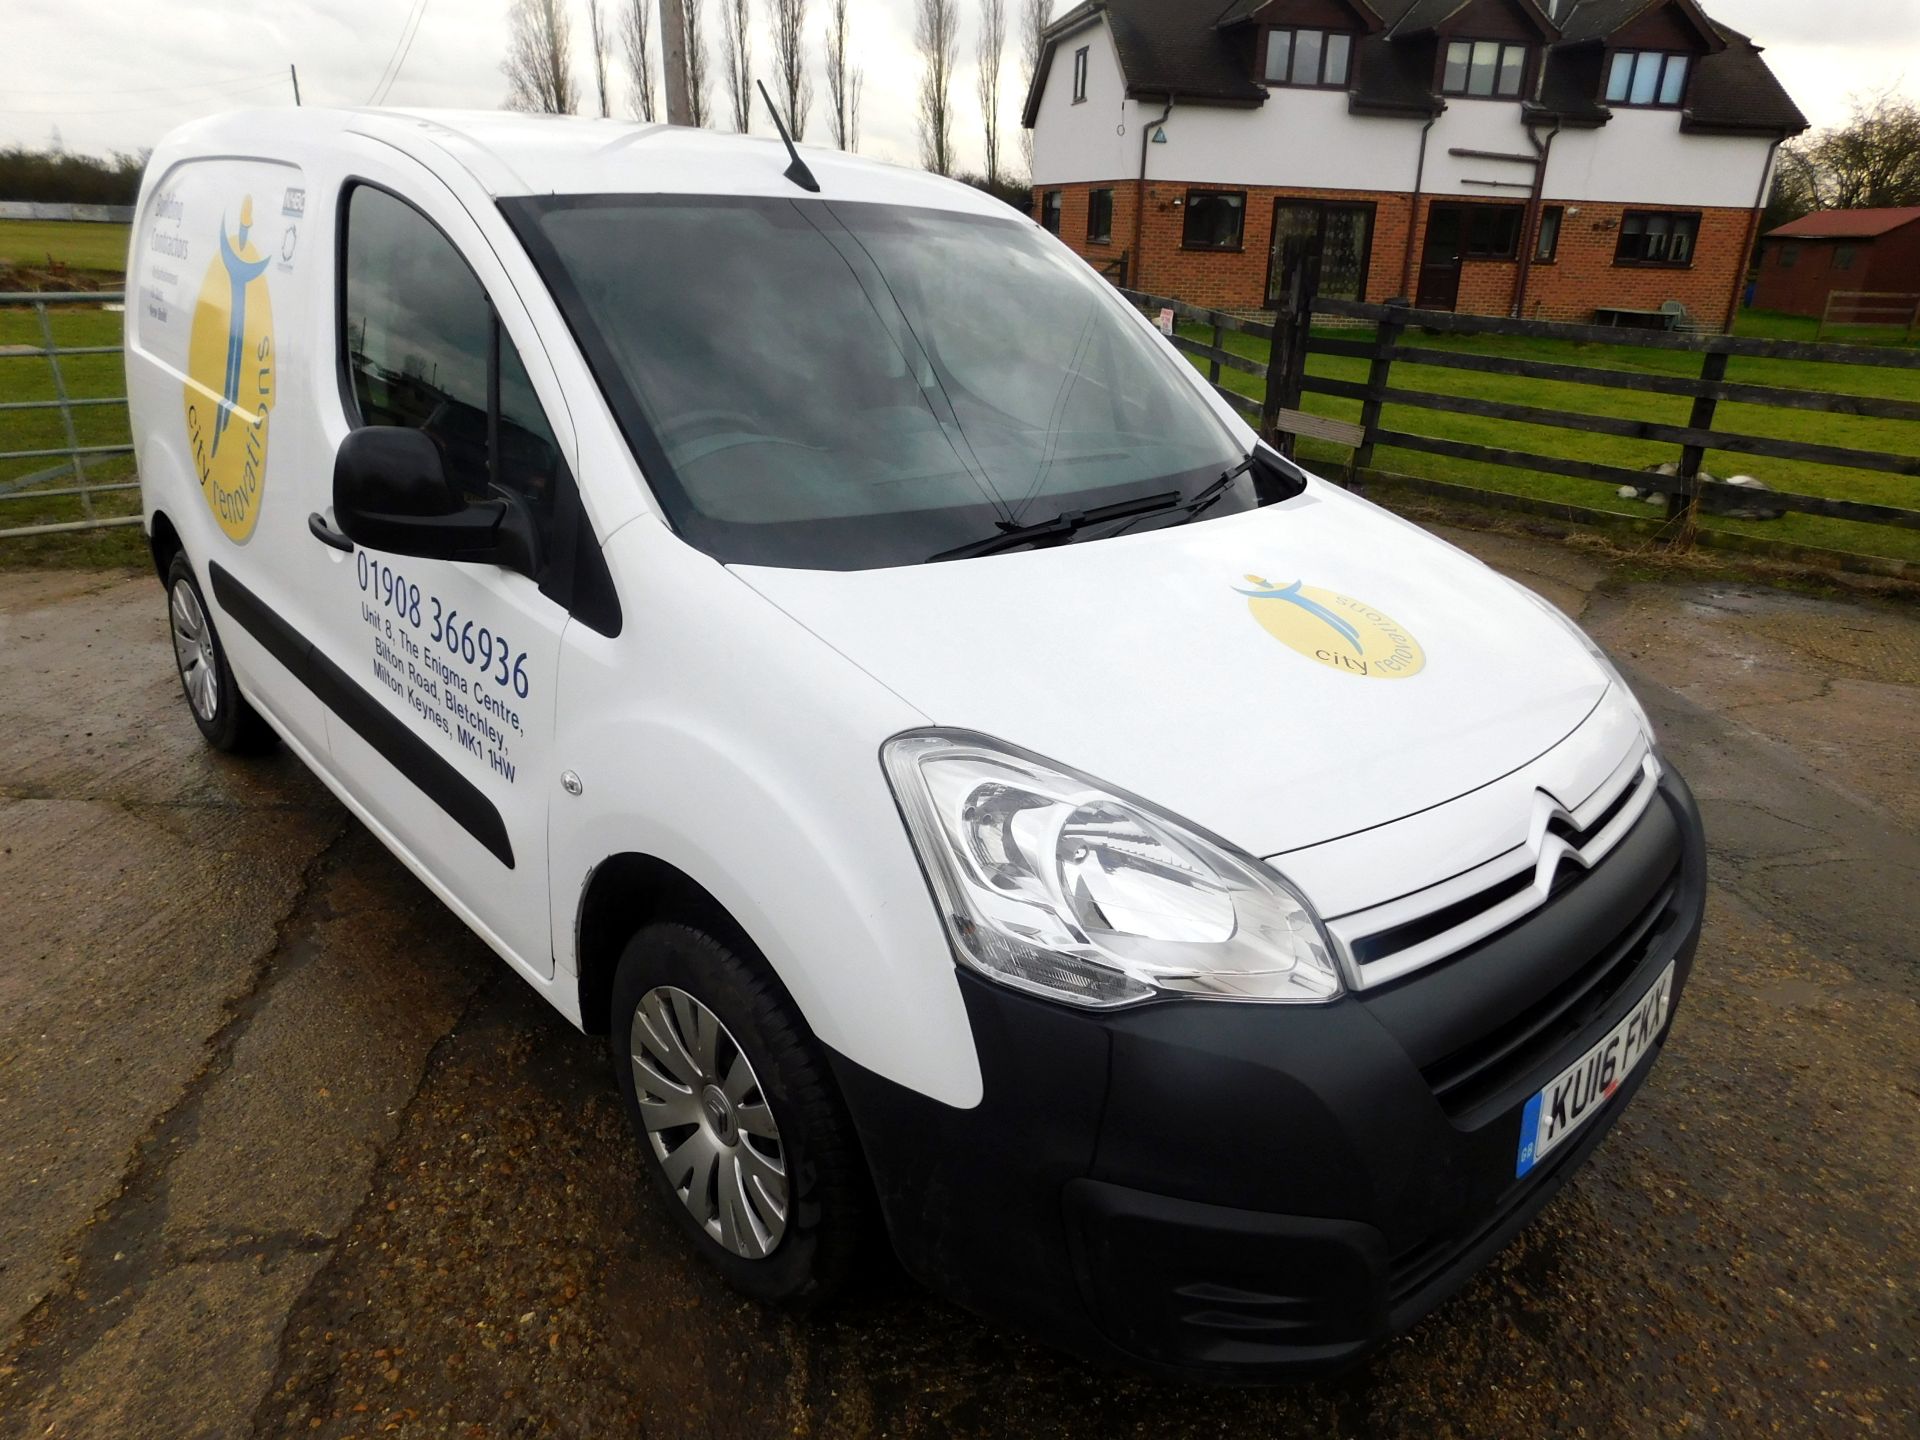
pixel 1620 800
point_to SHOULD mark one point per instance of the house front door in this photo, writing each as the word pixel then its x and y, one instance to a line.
pixel 1440 258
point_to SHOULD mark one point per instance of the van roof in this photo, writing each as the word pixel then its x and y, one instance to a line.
pixel 515 154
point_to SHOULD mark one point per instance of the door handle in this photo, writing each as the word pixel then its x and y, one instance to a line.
pixel 323 532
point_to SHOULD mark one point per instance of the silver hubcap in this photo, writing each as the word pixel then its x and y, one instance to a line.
pixel 708 1122
pixel 193 649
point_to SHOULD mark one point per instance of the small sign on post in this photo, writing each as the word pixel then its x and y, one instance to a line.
pixel 1166 320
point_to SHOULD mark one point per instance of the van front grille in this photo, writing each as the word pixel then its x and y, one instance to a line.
pixel 1573 850
pixel 1475 1072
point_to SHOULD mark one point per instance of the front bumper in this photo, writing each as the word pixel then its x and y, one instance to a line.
pixel 1245 1192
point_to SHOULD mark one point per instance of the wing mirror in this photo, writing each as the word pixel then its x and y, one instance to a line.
pixel 390 492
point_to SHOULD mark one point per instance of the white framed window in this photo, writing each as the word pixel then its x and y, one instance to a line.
pixel 1485 69
pixel 1651 78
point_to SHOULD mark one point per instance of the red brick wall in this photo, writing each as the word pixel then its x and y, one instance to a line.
pixel 1581 276
pixel 1073 221
pixel 1237 279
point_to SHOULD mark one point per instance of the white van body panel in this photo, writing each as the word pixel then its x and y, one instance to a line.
pixel 755 770
pixel 506 752
pixel 733 728
pixel 178 288
pixel 1200 709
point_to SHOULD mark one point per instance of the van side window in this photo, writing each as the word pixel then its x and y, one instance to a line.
pixel 424 348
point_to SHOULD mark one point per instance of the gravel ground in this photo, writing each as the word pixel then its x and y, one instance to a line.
pixel 292 1154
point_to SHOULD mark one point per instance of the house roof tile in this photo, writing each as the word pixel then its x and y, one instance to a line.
pixel 1177 48
pixel 1596 19
pixel 1735 91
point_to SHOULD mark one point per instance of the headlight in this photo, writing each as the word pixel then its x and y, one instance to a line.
pixel 1600 656
pixel 1053 884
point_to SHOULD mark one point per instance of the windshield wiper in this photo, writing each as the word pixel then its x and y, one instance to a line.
pixel 1067 523
pixel 1061 527
pixel 1218 488
pixel 1200 502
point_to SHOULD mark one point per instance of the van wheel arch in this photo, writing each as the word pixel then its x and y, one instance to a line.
pixel 626 892
pixel 164 543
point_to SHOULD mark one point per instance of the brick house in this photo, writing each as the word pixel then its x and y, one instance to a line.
pixel 1492 156
pixel 1862 250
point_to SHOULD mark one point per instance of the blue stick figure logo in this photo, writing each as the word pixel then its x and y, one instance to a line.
pixel 229 392
pixel 1293 595
pixel 240 273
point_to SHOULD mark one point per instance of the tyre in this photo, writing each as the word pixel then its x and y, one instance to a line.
pixel 739 1120
pixel 227 721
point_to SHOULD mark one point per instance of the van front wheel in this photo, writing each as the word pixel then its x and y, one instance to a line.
pixel 738 1118
pixel 227 721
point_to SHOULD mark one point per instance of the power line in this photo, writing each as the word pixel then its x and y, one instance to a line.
pixel 404 53
pixel 404 42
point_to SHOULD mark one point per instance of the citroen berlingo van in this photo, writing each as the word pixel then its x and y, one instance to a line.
pixel 829 643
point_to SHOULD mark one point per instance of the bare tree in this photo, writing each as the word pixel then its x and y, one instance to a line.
pixel 597 35
pixel 736 39
pixel 699 82
pixel 636 42
pixel 1033 29
pixel 539 63
pixel 673 61
pixel 843 81
pixel 1871 162
pixel 790 62
pixel 936 36
pixel 993 43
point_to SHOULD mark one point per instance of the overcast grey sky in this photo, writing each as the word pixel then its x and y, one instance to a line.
pixel 117 74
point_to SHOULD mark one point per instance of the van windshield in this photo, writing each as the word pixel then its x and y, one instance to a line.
pixel 841 386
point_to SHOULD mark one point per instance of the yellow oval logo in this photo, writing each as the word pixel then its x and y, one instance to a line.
pixel 1339 631
pixel 230 380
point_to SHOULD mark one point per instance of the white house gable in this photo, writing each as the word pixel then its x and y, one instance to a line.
pixel 1090 138
pixel 1642 157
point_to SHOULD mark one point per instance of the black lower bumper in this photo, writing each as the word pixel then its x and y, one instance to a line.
pixel 1246 1192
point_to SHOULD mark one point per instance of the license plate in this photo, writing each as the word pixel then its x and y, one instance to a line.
pixel 1579 1092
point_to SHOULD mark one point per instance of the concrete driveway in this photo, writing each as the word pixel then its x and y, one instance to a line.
pixel 288 1152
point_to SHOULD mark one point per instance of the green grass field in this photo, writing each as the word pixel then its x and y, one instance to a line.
pixel 1892 436
pixel 82 244
pixel 28 377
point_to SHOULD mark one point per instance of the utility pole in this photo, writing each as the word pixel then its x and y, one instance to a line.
pixel 294 72
pixel 673 48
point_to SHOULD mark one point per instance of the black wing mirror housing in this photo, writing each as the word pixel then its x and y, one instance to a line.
pixel 390 492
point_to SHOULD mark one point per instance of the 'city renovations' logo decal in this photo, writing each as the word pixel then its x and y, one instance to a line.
pixel 230 379
pixel 1337 630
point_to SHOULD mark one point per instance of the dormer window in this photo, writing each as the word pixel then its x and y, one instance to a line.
pixel 1485 69
pixel 1319 58
pixel 1656 78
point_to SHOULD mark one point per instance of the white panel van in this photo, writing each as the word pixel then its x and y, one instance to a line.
pixel 827 642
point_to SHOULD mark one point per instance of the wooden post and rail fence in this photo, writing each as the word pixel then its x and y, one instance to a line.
pixel 1870 307
pixel 1397 336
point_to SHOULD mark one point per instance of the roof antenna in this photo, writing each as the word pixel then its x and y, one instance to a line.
pixel 797 172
